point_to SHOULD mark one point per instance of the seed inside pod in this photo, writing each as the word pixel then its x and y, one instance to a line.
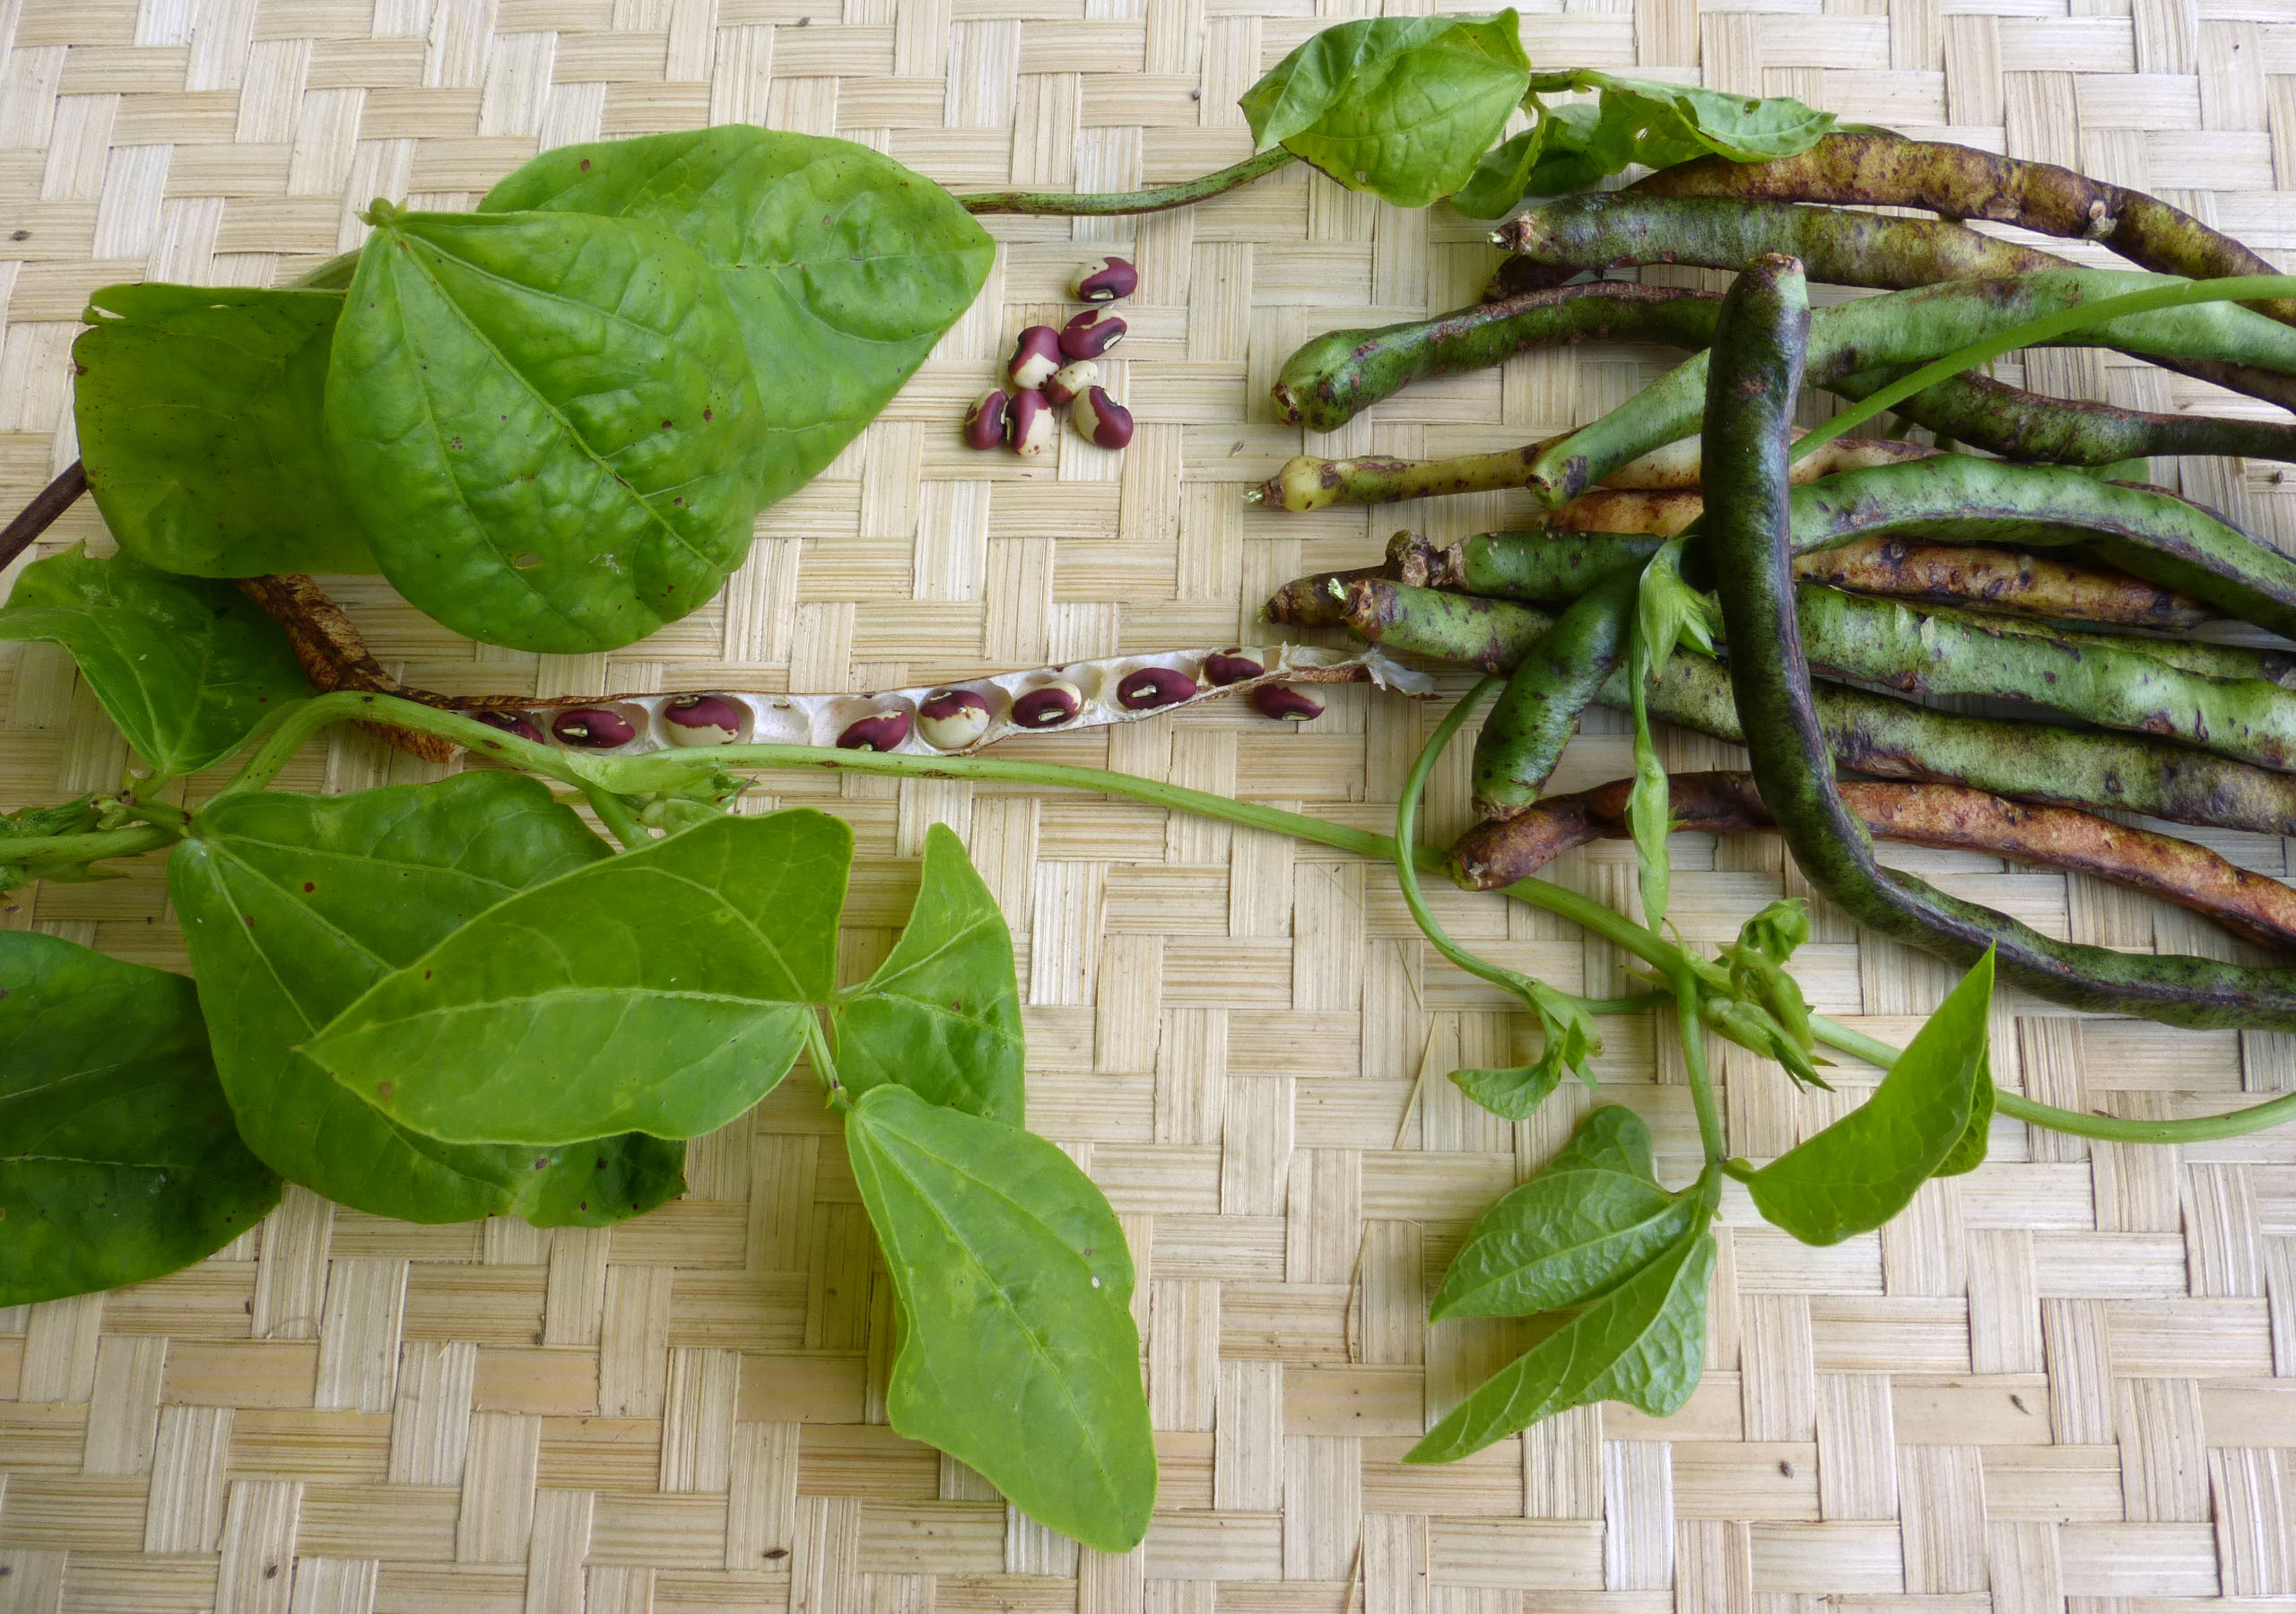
pixel 984 425
pixel 1035 356
pixel 1100 418
pixel 1224 667
pixel 878 732
pixel 511 722
pixel 1144 688
pixel 1034 426
pixel 1049 705
pixel 952 719
pixel 1282 700
pixel 1091 333
pixel 1105 279
pixel 592 728
pixel 1071 379
pixel 703 720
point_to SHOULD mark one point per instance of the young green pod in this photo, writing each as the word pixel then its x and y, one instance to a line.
pixel 1224 667
pixel 1049 705
pixel 1284 702
pixel 1105 279
pixel 1033 426
pixel 1063 384
pixel 1091 333
pixel 592 728
pixel 878 732
pixel 702 720
pixel 952 719
pixel 1035 356
pixel 511 722
pixel 1100 418
pixel 985 421
pixel 1145 689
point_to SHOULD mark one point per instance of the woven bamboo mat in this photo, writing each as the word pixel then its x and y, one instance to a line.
pixel 2068 1381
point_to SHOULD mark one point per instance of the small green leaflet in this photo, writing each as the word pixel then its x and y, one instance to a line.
pixel 1667 609
pixel 1572 1039
pixel 185 666
pixel 1018 1353
pixel 843 267
pixel 1589 1219
pixel 198 410
pixel 1402 107
pixel 942 1015
pixel 1866 1166
pixel 292 906
pixel 1513 1093
pixel 117 1158
pixel 1756 962
pixel 533 415
pixel 664 991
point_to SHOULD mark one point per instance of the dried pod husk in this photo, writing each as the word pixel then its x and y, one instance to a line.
pixel 952 719
pixel 1145 689
pixel 1100 418
pixel 1091 333
pixel 704 720
pixel 512 723
pixel 879 732
pixel 1035 356
pixel 592 728
pixel 1284 702
pixel 1224 667
pixel 1065 384
pixel 984 425
pixel 1105 279
pixel 1034 426
pixel 1049 705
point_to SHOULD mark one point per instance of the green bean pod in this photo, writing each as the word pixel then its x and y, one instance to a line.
pixel 1756 377
pixel 1552 684
pixel 1878 169
pixel 2010 420
pixel 1869 733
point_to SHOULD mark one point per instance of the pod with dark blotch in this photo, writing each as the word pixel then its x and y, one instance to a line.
pixel 1033 425
pixel 952 719
pixel 511 722
pixel 1091 333
pixel 985 420
pixel 1281 700
pixel 1144 688
pixel 1049 705
pixel 1100 418
pixel 592 728
pixel 1063 384
pixel 1105 279
pixel 1224 667
pixel 703 720
pixel 878 732
pixel 1035 356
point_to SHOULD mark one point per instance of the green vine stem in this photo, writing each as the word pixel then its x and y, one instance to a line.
pixel 1161 198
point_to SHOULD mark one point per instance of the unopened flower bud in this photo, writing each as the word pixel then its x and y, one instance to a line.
pixel 1144 688
pixel 1091 333
pixel 1104 280
pixel 1281 700
pixel 511 722
pixel 985 420
pixel 1049 705
pixel 702 720
pixel 1063 384
pixel 1035 356
pixel 1100 418
pixel 592 728
pixel 952 719
pixel 878 732
pixel 1224 667
pixel 1032 425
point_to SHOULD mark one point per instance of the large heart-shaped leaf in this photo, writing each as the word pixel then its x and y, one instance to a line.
pixel 843 266
pixel 543 421
pixel 1018 1353
pixel 118 1160
pixel 664 991
pixel 942 1015
pixel 186 667
pixel 293 904
pixel 199 414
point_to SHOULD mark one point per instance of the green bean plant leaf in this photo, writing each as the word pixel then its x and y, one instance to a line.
pixel 198 410
pixel 843 266
pixel 533 415
pixel 185 666
pixel 1969 1154
pixel 118 1157
pixel 1402 107
pixel 1018 1352
pixel 292 906
pixel 1866 1166
pixel 942 1015
pixel 1642 1341
pixel 1585 1222
pixel 1512 1093
pixel 664 991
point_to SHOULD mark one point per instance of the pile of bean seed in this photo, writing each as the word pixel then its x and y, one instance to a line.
pixel 1050 370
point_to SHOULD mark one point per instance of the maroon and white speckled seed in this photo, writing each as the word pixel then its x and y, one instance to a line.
pixel 1144 688
pixel 1048 705
pixel 511 722
pixel 1105 279
pixel 1091 333
pixel 1034 426
pixel 952 719
pixel 985 420
pixel 1100 418
pixel 878 732
pixel 1070 380
pixel 1035 356
pixel 703 720
pixel 592 728
pixel 1225 667
pixel 1281 700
